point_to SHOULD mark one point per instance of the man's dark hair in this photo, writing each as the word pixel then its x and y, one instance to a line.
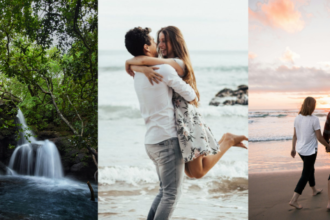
pixel 135 39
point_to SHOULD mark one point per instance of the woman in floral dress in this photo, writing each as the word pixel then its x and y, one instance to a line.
pixel 199 148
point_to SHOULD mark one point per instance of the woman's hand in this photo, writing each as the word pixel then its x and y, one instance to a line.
pixel 327 149
pixel 293 153
pixel 151 74
pixel 128 69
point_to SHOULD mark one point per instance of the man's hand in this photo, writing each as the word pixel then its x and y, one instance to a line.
pixel 293 153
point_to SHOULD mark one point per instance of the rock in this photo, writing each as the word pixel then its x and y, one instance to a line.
pixel 243 87
pixel 77 167
pixel 79 157
pixel 231 97
pixel 3 169
pixel 225 93
pixel 229 102
pixel 43 135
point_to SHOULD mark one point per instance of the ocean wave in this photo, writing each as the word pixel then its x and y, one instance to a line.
pixel 321 115
pixel 280 115
pixel 112 68
pixel 117 112
pixel 267 115
pixel 217 111
pixel 140 175
pixel 264 139
pixel 222 69
pixel 259 115
pixel 197 68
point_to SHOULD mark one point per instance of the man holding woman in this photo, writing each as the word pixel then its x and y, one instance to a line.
pixel 177 139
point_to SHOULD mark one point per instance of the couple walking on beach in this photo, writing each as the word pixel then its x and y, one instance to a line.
pixel 177 139
pixel 307 133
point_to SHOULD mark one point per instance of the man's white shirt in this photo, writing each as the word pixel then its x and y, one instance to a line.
pixel 156 102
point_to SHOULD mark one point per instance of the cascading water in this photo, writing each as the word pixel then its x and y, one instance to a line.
pixel 33 157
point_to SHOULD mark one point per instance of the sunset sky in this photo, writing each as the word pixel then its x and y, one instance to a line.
pixel 289 53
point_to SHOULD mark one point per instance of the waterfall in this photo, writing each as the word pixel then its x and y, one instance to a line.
pixel 33 157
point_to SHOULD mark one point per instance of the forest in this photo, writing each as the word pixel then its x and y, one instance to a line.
pixel 48 67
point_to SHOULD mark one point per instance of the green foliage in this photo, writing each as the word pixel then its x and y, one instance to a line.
pixel 48 60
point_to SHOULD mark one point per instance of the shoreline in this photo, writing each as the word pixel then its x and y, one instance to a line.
pixel 288 171
pixel 270 193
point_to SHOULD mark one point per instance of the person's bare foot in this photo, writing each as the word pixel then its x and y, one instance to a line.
pixel 235 140
pixel 295 204
pixel 316 192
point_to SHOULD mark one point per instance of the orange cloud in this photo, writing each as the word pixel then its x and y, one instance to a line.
pixel 309 15
pixel 252 56
pixel 289 56
pixel 279 14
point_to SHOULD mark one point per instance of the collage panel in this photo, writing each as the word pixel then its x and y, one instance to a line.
pixel 48 109
pixel 207 45
pixel 288 110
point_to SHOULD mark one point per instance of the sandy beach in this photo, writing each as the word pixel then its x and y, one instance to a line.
pixel 270 193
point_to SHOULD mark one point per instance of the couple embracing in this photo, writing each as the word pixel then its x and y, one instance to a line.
pixel 307 133
pixel 177 139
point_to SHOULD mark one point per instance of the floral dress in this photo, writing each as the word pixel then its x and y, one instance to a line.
pixel 195 137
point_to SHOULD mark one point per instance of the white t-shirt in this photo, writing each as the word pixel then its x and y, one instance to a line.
pixel 156 102
pixel 306 136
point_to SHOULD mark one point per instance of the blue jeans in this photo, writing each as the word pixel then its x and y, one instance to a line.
pixel 169 163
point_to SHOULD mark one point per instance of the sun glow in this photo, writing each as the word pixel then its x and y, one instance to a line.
pixel 323 102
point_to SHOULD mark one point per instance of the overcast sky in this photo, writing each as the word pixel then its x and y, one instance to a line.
pixel 289 53
pixel 206 25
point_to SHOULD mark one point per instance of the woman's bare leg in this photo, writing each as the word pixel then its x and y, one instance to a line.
pixel 294 201
pixel 201 165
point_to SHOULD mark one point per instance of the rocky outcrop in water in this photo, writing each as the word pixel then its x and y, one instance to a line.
pixel 231 97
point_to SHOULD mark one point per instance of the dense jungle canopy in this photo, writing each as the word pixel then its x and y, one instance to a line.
pixel 48 65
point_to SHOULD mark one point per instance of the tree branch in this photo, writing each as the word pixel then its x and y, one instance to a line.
pixel 58 110
pixel 82 123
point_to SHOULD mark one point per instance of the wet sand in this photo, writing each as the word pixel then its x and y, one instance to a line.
pixel 270 193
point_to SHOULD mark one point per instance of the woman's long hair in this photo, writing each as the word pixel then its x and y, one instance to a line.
pixel 174 36
pixel 308 107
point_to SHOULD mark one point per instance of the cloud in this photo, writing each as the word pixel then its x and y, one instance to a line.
pixel 279 14
pixel 289 56
pixel 252 56
pixel 310 15
pixel 325 63
pixel 304 96
pixel 327 5
pixel 288 79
